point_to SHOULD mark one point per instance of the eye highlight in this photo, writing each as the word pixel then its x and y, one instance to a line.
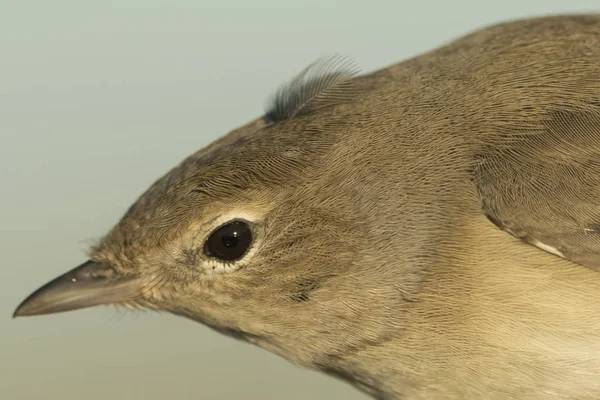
pixel 229 242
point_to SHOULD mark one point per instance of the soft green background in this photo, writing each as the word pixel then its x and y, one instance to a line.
pixel 98 99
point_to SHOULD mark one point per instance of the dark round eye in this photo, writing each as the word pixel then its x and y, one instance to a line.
pixel 229 242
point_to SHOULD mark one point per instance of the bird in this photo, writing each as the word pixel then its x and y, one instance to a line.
pixel 429 230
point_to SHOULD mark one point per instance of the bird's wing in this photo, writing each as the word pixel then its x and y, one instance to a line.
pixel 543 185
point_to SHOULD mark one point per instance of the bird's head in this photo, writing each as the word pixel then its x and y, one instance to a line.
pixel 261 235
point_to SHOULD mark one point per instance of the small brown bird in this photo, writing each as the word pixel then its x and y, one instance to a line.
pixel 427 231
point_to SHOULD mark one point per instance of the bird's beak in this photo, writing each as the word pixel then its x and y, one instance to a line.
pixel 87 285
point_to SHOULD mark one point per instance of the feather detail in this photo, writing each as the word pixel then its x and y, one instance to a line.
pixel 325 82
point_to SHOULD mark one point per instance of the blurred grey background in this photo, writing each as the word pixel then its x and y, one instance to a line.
pixel 97 100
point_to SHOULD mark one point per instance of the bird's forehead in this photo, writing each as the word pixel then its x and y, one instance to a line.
pixel 264 158
pixel 246 172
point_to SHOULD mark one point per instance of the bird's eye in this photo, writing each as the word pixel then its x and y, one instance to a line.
pixel 229 242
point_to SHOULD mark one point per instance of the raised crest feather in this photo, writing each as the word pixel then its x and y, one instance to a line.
pixel 325 82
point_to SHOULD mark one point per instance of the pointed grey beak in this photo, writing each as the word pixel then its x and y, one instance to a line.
pixel 87 285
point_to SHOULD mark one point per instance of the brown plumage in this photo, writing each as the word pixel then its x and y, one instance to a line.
pixel 427 231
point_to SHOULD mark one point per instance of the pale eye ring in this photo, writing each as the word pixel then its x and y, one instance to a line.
pixel 229 242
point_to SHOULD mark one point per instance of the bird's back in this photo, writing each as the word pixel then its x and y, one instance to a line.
pixel 492 176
